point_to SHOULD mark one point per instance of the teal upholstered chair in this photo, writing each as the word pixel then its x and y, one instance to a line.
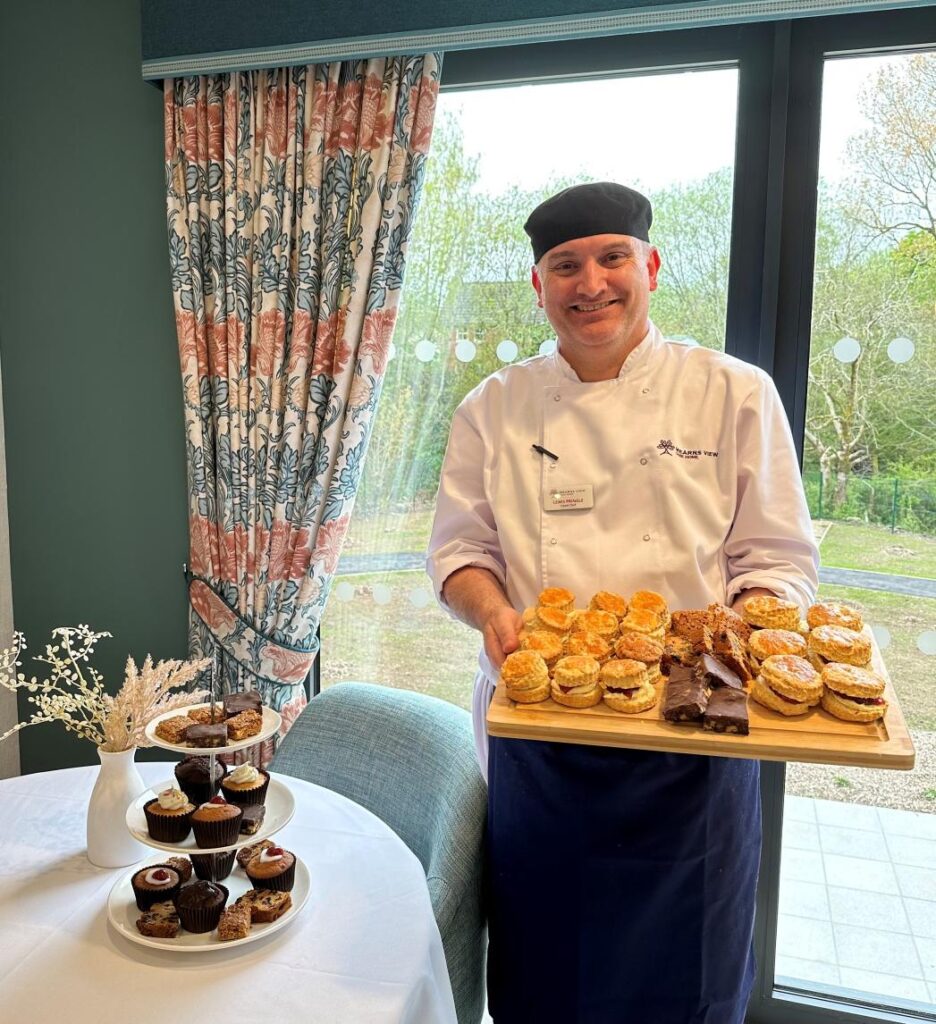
pixel 410 760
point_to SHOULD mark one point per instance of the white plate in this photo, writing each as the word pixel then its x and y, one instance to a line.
pixel 269 726
pixel 123 912
pixel 280 807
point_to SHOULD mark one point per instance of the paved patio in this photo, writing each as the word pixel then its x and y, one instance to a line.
pixel 858 899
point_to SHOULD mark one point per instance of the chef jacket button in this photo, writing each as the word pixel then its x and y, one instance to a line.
pixel 554 541
pixel 646 536
pixel 555 398
pixel 643 462
pixel 645 391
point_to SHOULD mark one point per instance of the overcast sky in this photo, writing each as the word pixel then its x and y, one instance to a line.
pixel 528 133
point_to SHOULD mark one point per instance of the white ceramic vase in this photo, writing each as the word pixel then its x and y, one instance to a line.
pixel 110 844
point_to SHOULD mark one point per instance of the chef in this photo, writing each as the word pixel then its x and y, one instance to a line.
pixel 621 882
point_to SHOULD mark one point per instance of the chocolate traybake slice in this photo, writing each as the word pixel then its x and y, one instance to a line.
pixel 207 735
pixel 715 675
pixel 686 696
pixel 235 703
pixel 727 712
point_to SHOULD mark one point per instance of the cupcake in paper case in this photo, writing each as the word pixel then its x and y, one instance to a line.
pixel 154 884
pixel 216 823
pixel 200 905
pixel 245 785
pixel 195 779
pixel 213 867
pixel 169 816
pixel 273 868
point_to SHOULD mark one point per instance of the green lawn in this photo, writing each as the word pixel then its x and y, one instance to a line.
pixel 875 548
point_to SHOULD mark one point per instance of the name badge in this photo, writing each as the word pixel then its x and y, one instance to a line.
pixel 565 499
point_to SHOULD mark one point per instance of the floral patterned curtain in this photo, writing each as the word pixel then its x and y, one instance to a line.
pixel 291 196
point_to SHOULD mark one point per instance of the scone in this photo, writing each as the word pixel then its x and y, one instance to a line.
pixel 835 643
pixel 650 601
pixel 606 601
pixel 853 694
pixel 626 686
pixel 552 620
pixel 768 612
pixel 605 624
pixel 642 621
pixel 787 684
pixel 547 645
pixel 575 682
pixel 833 613
pixel 589 645
pixel 764 643
pixel 556 597
pixel 634 647
pixel 525 677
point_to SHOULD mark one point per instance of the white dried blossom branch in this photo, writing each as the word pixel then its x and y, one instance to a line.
pixel 74 692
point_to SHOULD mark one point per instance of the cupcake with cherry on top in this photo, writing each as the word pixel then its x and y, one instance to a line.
pixel 216 823
pixel 273 868
pixel 154 884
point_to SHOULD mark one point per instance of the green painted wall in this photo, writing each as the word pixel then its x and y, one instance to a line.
pixel 91 389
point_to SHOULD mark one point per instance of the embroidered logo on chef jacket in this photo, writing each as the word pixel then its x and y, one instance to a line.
pixel 564 499
pixel 668 448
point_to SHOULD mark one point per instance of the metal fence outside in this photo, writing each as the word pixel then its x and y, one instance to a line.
pixel 901 504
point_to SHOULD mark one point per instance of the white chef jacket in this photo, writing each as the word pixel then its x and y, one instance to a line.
pixel 695 485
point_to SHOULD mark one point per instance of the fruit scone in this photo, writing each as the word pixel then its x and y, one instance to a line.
pixel 838 644
pixel 626 686
pixel 833 613
pixel 525 677
pixel 787 684
pixel 853 694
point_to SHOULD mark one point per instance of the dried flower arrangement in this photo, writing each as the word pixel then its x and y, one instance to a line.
pixel 74 693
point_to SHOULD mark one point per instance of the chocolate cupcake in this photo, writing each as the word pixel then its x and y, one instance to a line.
pixel 272 868
pixel 169 816
pixel 246 785
pixel 154 884
pixel 200 904
pixel 213 867
pixel 216 823
pixel 195 780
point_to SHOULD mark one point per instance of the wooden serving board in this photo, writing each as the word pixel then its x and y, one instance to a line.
pixel 816 736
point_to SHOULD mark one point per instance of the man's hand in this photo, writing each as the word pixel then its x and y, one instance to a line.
pixel 476 597
pixel 500 634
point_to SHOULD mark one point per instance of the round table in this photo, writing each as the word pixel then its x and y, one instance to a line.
pixel 365 949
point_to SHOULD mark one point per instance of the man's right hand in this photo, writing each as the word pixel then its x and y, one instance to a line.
pixel 500 634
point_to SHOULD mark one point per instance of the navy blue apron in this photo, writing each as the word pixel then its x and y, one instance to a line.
pixel 620 885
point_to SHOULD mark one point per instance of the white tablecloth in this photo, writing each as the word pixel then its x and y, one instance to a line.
pixel 364 950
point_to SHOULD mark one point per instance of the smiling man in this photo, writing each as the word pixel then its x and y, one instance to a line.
pixel 621 882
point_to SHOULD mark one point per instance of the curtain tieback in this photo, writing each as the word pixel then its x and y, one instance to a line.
pixel 248 646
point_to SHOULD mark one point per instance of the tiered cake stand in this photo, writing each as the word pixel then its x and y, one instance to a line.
pixel 280 805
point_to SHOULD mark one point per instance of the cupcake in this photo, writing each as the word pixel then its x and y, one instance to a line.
pixel 169 816
pixel 216 823
pixel 273 868
pixel 245 785
pixel 200 905
pixel 195 780
pixel 154 884
pixel 213 867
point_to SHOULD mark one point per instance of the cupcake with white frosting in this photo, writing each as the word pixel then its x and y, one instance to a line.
pixel 154 884
pixel 245 785
pixel 169 816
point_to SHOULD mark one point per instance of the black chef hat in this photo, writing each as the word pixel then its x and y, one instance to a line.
pixel 599 208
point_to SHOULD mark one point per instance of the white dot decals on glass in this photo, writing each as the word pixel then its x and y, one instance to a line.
pixel 344 591
pixel 548 347
pixel 419 597
pixel 927 641
pixel 465 351
pixel 507 351
pixel 425 350
pixel 901 350
pixel 381 593
pixel 846 350
pixel 882 635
